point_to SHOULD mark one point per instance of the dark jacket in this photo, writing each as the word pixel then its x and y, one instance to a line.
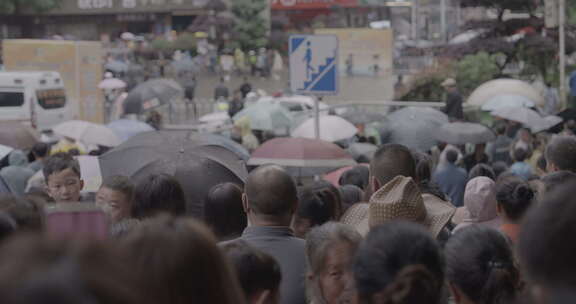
pixel 289 252
pixel 454 105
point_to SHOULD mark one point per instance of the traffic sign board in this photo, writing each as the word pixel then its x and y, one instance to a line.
pixel 314 64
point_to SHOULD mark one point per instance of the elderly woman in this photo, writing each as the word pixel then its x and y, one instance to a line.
pixel 330 249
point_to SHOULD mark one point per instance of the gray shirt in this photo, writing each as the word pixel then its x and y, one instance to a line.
pixel 289 252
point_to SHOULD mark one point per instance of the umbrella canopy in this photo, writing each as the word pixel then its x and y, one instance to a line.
pixel 529 118
pixel 362 117
pixel 116 66
pixel 412 127
pixel 300 152
pixel 507 100
pixel 126 128
pixel 498 87
pixel 17 135
pixel 208 139
pixel 87 132
pixel 151 94
pixel 5 150
pixel 332 128
pixel 459 133
pixel 216 117
pixel 197 168
pixel 111 84
pixel 266 116
pixel 546 123
pixel 362 150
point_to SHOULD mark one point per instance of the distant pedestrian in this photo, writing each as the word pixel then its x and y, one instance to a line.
pixel 478 156
pixel 451 179
pixel 454 100
pixel 236 104
pixel 520 167
pixel 40 152
pixel 552 99
pixel 221 91
pixel 246 87
pixel 17 173
pixel 350 65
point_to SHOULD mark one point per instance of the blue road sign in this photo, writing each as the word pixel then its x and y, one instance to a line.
pixel 314 64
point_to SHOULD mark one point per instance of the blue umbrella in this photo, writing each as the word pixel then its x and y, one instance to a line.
pixel 126 128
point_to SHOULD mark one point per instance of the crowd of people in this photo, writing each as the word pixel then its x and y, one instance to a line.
pixel 407 228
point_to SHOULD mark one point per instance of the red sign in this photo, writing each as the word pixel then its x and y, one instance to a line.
pixel 311 4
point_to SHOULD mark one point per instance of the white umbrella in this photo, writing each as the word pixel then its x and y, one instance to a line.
pixel 499 87
pixel 88 133
pixel 507 100
pixel 111 84
pixel 546 123
pixel 332 128
pixel 529 118
pixel 216 117
pixel 5 150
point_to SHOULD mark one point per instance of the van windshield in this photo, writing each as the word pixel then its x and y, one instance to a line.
pixel 51 98
pixel 11 99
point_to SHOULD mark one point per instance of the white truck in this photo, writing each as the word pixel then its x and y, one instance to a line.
pixel 37 99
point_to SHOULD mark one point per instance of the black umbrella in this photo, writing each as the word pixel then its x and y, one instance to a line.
pixel 197 168
pixel 460 133
pixel 151 94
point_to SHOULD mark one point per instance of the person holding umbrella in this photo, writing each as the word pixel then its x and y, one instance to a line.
pixel 453 100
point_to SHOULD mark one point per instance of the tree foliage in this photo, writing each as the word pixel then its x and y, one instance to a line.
pixel 250 29
pixel 16 7
pixel 474 70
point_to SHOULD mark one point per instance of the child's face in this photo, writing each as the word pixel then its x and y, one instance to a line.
pixel 64 186
pixel 115 203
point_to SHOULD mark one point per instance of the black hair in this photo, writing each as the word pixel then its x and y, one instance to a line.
pixel 541 163
pixel 480 262
pixel 391 160
pixel 515 196
pixel 313 208
pixel 401 259
pixel 40 149
pixel 561 152
pixel 451 156
pixel 557 179
pixel 481 170
pixel 358 176
pixel 256 270
pixel 157 194
pixel 350 195
pixel 423 166
pixel 519 154
pixel 121 184
pixel 545 250
pixel 58 163
pixel 500 129
pixel 223 211
pixel 331 196
pixel 499 167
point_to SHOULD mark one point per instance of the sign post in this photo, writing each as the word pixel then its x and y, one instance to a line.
pixel 314 68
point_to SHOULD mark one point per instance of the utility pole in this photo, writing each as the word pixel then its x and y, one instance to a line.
pixel 562 50
pixel 443 30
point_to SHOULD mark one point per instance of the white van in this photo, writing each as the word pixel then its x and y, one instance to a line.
pixel 34 98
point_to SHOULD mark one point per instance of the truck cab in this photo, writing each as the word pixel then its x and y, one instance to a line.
pixel 37 99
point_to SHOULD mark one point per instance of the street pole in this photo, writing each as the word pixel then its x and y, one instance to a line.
pixel 415 20
pixel 562 51
pixel 443 20
pixel 316 118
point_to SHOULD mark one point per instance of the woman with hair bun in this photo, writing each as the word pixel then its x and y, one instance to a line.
pixel 514 197
pixel 399 263
pixel 480 267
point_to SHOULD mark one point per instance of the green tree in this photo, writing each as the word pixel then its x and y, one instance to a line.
pixel 250 29
pixel 474 70
pixel 17 7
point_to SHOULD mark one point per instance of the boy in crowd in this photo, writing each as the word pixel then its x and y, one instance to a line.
pixel 62 177
pixel 115 197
